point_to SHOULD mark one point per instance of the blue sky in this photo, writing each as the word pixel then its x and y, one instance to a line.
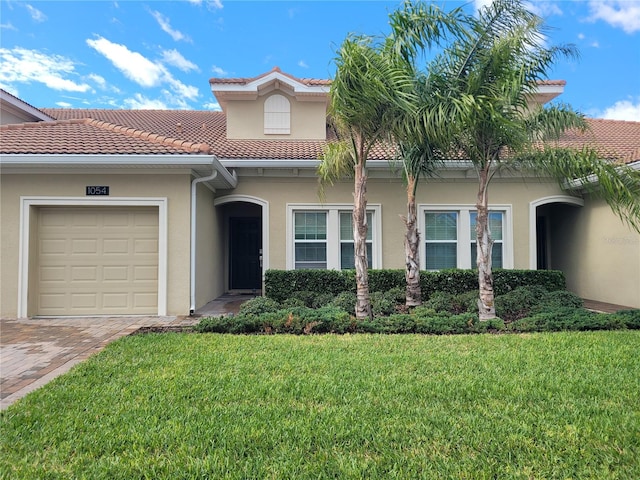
pixel 161 54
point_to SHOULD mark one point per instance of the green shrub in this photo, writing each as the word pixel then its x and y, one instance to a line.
pixel 382 304
pixel 307 297
pixel 519 302
pixel 385 280
pixel 258 306
pixel 280 284
pixel 292 302
pixel 558 299
pixel 438 302
pixel 567 318
pixel 235 324
pixel 441 324
pixel 346 301
pixel 631 318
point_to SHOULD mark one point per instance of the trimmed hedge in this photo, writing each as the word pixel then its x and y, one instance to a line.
pixel 282 284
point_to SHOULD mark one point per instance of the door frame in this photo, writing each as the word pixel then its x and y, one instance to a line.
pixel 26 204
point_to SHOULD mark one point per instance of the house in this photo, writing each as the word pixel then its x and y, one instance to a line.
pixel 121 212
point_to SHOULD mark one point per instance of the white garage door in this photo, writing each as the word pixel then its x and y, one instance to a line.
pixel 97 261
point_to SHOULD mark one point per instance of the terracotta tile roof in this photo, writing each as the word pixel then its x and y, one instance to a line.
pixel 612 138
pixel 181 131
pixel 90 137
pixel 198 126
pixel 560 83
pixel 244 81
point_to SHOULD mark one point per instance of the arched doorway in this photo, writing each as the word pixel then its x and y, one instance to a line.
pixel 545 215
pixel 246 252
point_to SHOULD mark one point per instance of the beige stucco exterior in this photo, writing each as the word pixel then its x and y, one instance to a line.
pixel 390 195
pixel 599 254
pixel 245 119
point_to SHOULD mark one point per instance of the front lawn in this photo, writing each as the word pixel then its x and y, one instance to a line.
pixel 172 406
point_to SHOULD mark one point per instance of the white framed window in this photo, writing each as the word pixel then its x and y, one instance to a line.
pixel 277 115
pixel 450 236
pixel 310 234
pixel 321 236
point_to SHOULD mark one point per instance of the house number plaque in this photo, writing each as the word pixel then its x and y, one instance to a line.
pixel 97 190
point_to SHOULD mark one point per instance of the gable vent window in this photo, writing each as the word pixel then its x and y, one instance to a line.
pixel 277 115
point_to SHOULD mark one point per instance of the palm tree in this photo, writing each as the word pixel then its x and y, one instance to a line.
pixel 369 87
pixel 416 28
pixel 484 82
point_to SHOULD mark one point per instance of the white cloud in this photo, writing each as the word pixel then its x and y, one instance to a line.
pixel 212 106
pixel 617 13
pixel 166 27
pixel 219 71
pixel 140 69
pixel 623 110
pixel 100 81
pixel 544 9
pixel 175 58
pixel 140 102
pixel 182 90
pixel 133 65
pixel 8 26
pixel 581 36
pixel 20 65
pixel 64 104
pixel 303 64
pixel 36 14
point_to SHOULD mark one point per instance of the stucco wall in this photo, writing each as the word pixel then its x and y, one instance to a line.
pixel 599 254
pixel 391 195
pixel 174 187
pixel 209 249
pixel 245 119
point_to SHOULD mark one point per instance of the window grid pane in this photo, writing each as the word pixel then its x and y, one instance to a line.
pixel 496 255
pixel 441 255
pixel 346 226
pixel 441 226
pixel 310 226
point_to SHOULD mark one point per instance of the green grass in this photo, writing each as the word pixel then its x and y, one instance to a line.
pixel 562 405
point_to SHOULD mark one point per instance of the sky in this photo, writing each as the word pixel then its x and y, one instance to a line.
pixel 134 54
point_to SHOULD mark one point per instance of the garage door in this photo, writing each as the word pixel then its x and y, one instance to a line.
pixel 97 261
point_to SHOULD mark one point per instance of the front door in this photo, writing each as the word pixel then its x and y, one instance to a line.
pixel 245 268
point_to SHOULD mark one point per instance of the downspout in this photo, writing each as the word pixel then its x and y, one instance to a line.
pixel 194 187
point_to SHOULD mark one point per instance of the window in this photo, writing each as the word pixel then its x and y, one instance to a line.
pixel 447 228
pixel 442 240
pixel 495 227
pixel 321 236
pixel 311 239
pixel 347 260
pixel 277 115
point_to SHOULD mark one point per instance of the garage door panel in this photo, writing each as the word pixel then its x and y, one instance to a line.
pixel 145 246
pixel 145 274
pixel 53 246
pixel 145 300
pixel 100 261
pixel 84 273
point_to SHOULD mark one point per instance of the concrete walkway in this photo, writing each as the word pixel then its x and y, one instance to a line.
pixel 34 351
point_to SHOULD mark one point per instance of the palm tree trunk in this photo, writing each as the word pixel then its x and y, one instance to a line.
pixel 363 302
pixel 412 249
pixel 484 244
